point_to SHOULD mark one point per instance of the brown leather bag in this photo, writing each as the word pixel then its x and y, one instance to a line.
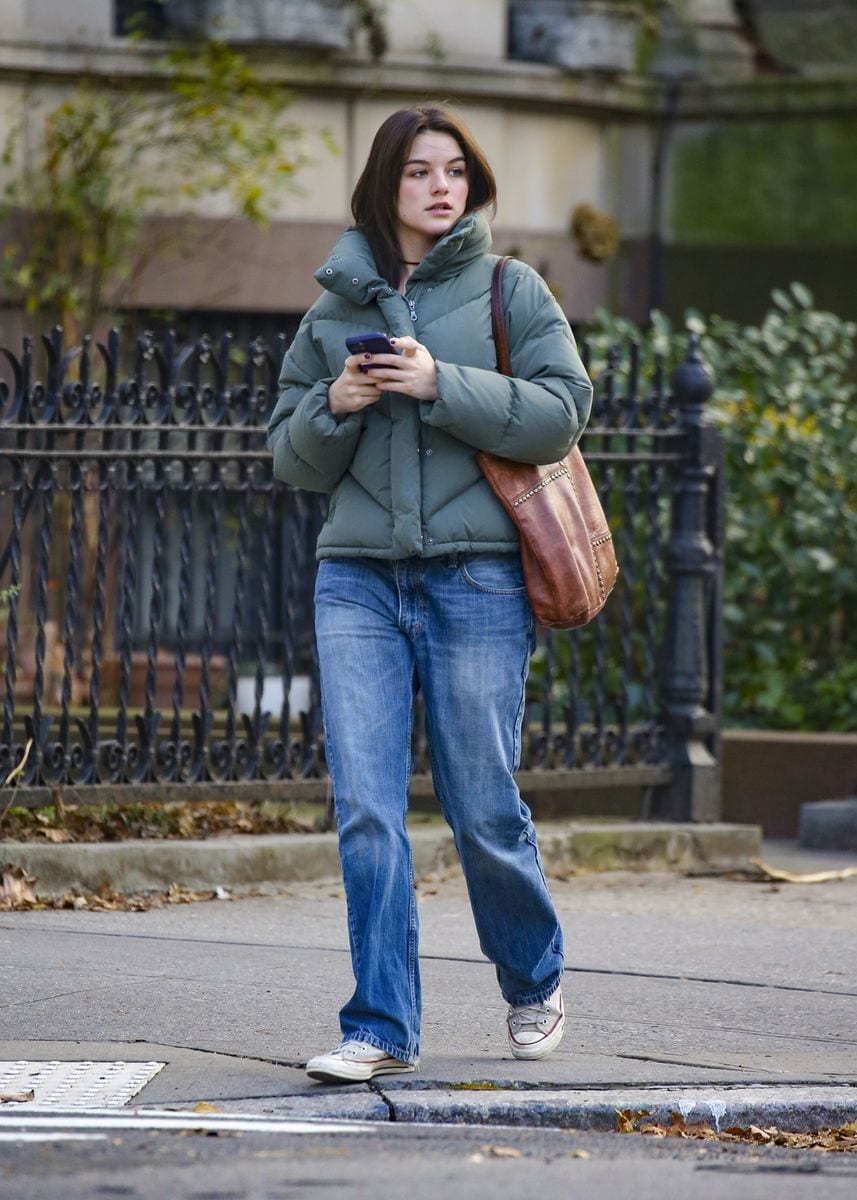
pixel 566 547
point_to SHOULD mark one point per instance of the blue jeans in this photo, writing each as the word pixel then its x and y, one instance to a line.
pixel 461 629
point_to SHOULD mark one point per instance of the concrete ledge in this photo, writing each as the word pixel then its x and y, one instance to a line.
pixel 279 859
pixel 829 825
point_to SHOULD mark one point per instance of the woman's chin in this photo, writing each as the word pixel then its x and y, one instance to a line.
pixel 438 226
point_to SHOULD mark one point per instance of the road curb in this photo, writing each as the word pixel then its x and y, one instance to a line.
pixel 273 860
pixel 797 1111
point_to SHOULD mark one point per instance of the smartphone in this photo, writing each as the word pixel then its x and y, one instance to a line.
pixel 370 343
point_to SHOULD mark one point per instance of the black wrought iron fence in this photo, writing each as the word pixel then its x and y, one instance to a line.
pixel 158 586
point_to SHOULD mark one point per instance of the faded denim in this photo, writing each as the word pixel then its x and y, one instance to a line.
pixel 460 628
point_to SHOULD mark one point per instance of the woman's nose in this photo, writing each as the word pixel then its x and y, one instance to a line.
pixel 440 184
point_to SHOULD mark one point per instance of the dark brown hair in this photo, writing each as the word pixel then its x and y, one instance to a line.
pixel 373 204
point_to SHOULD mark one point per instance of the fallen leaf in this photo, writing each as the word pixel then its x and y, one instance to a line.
pixel 16 1097
pixel 16 886
pixel 580 1154
pixel 203 1106
pixel 501 1151
pixel 57 835
pixel 801 877
pixel 626 1119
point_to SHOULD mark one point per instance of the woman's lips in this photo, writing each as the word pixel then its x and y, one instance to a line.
pixel 440 208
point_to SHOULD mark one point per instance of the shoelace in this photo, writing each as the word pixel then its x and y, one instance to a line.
pixel 350 1049
pixel 530 1016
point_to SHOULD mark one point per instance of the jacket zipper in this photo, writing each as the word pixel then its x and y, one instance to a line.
pixel 412 305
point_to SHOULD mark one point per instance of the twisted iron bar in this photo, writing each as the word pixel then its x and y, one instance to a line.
pixel 186 511
pixel 70 606
pixel 98 611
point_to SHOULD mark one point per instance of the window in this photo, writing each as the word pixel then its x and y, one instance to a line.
pixel 146 17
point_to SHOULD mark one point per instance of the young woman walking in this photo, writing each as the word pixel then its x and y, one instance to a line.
pixel 419 580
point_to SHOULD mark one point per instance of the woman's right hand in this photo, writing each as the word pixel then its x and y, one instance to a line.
pixel 353 390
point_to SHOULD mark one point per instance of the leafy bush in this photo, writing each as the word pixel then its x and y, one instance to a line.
pixel 785 401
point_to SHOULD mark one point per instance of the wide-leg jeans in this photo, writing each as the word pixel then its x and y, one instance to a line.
pixel 460 628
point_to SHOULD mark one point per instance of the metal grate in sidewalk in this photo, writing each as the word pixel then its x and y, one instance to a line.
pixel 76 1084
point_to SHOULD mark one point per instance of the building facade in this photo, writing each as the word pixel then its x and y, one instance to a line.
pixel 723 166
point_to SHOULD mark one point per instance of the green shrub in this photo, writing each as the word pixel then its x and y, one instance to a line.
pixel 785 401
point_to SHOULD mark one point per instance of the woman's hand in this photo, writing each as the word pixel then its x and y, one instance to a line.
pixel 353 390
pixel 413 372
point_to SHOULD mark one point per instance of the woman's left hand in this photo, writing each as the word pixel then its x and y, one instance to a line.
pixel 413 372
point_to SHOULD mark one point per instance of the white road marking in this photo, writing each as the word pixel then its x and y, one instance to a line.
pixel 53 1137
pixel 30 1118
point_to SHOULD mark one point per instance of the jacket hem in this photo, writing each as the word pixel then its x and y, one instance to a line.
pixel 436 550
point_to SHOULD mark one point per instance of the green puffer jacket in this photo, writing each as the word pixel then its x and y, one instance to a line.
pixel 402 471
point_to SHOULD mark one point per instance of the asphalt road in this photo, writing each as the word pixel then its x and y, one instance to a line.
pixel 417 1163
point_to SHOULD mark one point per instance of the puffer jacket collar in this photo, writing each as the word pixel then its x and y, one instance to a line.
pixel 350 270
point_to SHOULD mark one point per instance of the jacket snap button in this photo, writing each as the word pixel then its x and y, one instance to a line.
pixel 355 280
pixel 428 451
pixel 328 270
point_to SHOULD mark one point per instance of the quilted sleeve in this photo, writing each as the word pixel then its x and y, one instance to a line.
pixel 538 413
pixel 312 448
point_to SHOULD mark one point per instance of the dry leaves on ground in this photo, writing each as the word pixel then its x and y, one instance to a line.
pixel 16 893
pixel 493 1151
pixel 762 872
pixel 779 875
pixel 16 1097
pixel 841 1139
pixel 118 823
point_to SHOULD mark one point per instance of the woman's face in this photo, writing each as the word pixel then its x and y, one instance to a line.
pixel 432 192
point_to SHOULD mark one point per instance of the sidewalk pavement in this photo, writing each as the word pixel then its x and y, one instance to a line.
pixel 733 1002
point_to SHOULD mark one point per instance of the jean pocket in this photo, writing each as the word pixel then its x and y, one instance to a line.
pixel 499 574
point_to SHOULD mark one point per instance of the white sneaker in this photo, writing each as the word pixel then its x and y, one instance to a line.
pixel 353 1062
pixel 536 1029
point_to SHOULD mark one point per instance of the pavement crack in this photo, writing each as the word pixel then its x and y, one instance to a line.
pixel 704 1066
pixel 385 1099
pixel 749 983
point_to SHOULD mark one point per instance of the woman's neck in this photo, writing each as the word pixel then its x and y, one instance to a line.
pixel 411 253
pixel 407 270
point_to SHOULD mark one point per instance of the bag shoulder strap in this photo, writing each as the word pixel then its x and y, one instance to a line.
pixel 498 319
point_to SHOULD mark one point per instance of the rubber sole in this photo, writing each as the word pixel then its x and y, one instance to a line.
pixel 357 1072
